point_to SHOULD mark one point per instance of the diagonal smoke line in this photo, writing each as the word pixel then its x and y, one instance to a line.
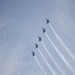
pixel 49 66
pixel 68 51
pixel 40 65
pixel 53 59
pixel 62 57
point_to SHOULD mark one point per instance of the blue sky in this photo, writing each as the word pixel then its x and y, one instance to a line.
pixel 21 23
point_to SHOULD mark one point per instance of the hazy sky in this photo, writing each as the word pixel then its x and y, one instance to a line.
pixel 21 23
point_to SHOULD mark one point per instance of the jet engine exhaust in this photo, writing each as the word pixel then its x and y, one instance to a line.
pixel 62 57
pixel 50 68
pixel 68 51
pixel 53 59
pixel 40 65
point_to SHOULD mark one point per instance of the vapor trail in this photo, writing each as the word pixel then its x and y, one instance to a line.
pixel 40 65
pixel 69 52
pixel 50 68
pixel 62 57
pixel 53 59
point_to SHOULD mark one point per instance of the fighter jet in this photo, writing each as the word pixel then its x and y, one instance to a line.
pixel 33 53
pixel 44 30
pixel 39 38
pixel 36 45
pixel 47 21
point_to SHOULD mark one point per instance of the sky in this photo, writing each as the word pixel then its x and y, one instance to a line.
pixel 21 23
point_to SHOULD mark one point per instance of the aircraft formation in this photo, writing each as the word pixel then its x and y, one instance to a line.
pixel 40 38
pixel 63 58
pixel 68 65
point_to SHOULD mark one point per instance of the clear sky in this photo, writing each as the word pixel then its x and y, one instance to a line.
pixel 21 23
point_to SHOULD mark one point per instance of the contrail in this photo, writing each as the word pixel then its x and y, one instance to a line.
pixel 62 57
pixel 40 65
pixel 51 69
pixel 69 52
pixel 53 59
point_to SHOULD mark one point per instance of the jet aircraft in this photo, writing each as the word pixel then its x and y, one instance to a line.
pixel 44 30
pixel 47 21
pixel 36 45
pixel 33 53
pixel 39 38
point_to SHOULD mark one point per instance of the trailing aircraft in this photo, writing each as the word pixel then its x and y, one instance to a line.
pixel 39 38
pixel 33 53
pixel 36 45
pixel 44 30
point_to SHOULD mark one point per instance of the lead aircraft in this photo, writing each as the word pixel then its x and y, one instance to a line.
pixel 47 21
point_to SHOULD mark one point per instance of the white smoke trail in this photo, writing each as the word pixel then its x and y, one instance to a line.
pixel 40 65
pixel 50 68
pixel 62 57
pixel 53 59
pixel 69 52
